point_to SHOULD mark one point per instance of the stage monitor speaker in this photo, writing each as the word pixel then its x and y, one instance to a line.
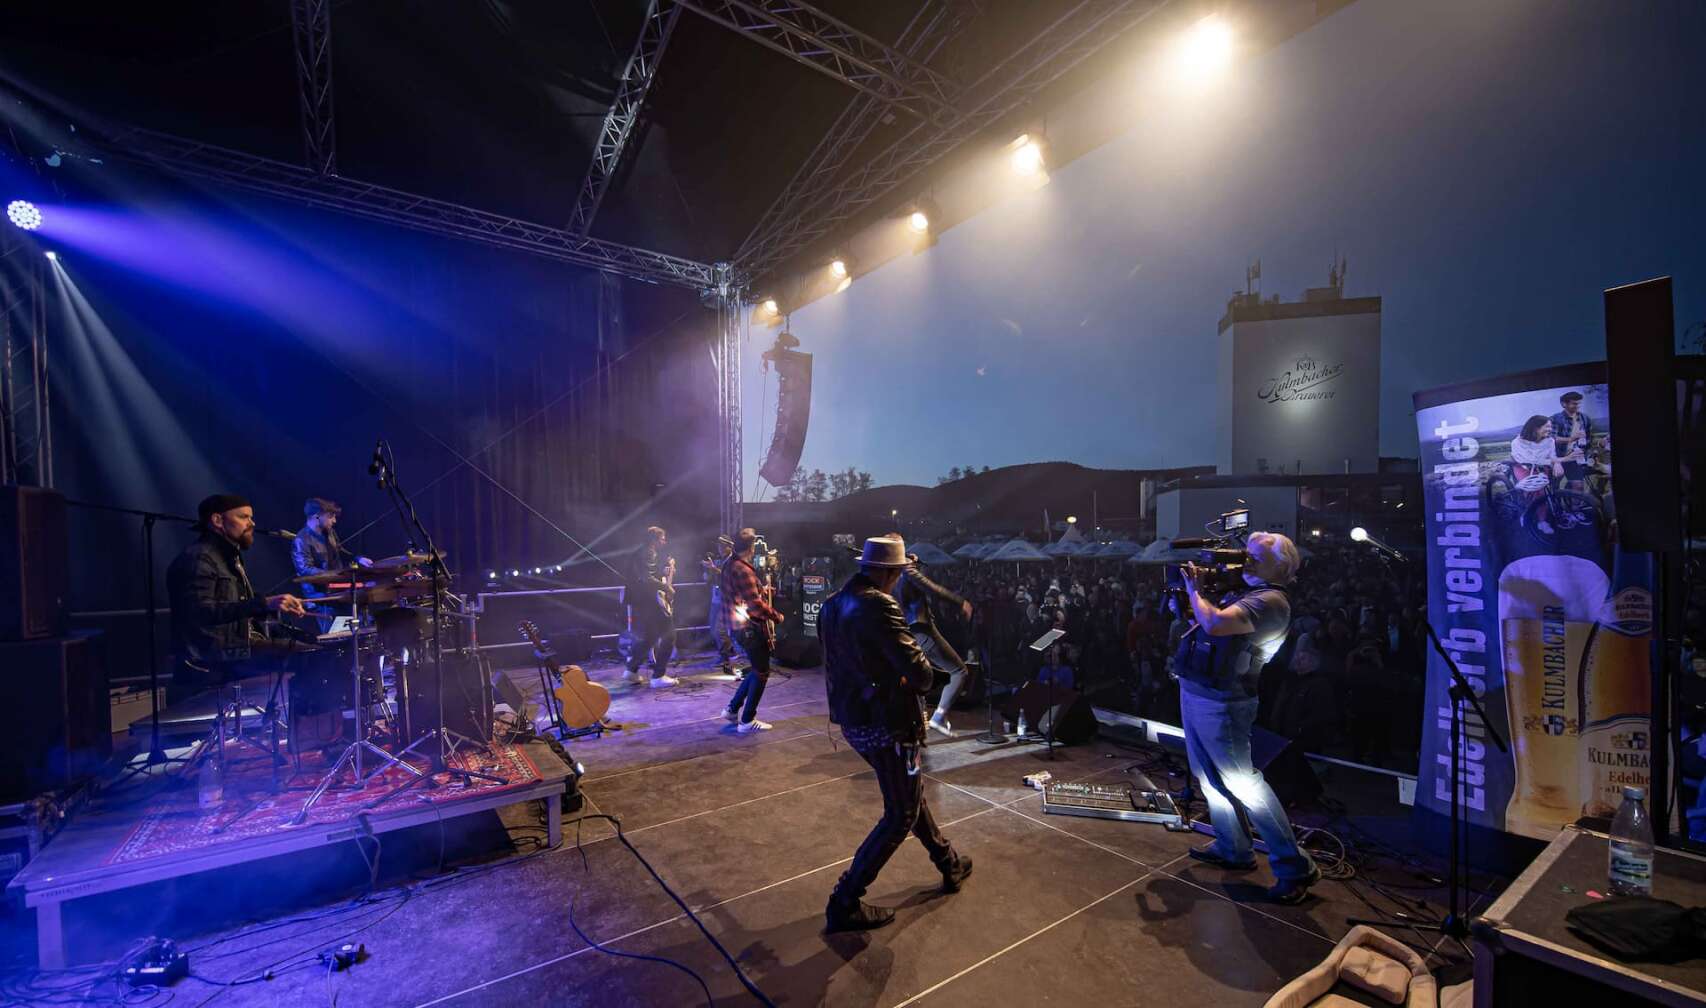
pixel 793 412
pixel 1073 722
pixel 55 713
pixel 467 697
pixel 1640 342
pixel 1285 766
pixel 799 652
pixel 34 558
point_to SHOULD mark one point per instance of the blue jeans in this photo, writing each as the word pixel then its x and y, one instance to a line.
pixel 1217 740
pixel 751 688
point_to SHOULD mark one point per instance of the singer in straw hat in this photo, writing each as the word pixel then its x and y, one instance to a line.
pixel 876 677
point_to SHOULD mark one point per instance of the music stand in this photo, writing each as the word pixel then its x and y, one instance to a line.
pixel 1040 645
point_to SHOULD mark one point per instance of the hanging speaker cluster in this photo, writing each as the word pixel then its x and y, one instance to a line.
pixel 793 412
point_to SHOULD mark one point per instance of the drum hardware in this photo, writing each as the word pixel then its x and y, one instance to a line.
pixel 439 743
pixel 352 754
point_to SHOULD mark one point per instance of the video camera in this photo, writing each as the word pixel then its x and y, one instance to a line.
pixel 1220 559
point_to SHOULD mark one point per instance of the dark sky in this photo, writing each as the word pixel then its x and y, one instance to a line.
pixel 1487 169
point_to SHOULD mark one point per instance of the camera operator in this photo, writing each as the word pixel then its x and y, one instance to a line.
pixel 1218 666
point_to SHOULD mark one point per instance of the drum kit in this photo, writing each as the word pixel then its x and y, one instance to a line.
pixel 404 620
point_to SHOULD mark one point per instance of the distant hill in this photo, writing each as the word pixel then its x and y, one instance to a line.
pixel 1008 499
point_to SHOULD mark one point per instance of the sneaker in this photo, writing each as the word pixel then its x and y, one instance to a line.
pixel 955 874
pixel 731 716
pixel 1209 856
pixel 856 915
pixel 754 725
pixel 664 681
pixel 940 723
pixel 1293 891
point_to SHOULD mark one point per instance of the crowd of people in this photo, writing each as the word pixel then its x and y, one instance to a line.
pixel 1348 681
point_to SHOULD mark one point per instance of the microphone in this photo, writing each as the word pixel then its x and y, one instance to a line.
pixel 276 533
pixel 1360 534
pixel 377 466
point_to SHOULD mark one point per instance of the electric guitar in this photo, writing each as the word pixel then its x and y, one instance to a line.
pixel 581 703
pixel 666 594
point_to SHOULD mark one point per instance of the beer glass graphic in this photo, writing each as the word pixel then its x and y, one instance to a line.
pixel 1617 690
pixel 1547 609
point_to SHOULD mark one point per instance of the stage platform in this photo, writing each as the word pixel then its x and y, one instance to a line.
pixel 753 830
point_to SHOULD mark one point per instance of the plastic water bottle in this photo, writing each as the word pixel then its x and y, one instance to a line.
pixel 1631 860
pixel 210 793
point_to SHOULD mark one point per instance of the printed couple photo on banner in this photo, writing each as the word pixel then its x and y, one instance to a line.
pixel 1546 615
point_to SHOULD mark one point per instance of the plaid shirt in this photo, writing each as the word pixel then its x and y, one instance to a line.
pixel 742 600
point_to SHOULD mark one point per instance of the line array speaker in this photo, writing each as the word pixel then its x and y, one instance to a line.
pixel 793 412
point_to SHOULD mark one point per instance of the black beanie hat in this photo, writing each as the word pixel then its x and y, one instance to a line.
pixel 218 504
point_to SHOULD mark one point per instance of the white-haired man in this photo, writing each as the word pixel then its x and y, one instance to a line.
pixel 1218 665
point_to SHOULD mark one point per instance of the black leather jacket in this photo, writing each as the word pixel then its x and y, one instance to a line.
pixel 873 671
pixel 213 603
pixel 313 553
pixel 914 593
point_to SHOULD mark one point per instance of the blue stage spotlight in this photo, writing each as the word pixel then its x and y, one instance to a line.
pixel 52 256
pixel 24 214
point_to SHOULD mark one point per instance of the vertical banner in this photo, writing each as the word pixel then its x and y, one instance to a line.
pixel 814 586
pixel 1546 617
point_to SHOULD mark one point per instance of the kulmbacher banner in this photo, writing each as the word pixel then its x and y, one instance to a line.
pixel 1546 617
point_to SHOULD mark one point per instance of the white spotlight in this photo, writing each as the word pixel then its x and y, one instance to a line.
pixel 1205 50
pixel 1359 534
pixel 770 307
pixel 24 214
pixel 838 269
pixel 918 222
pixel 1027 157
pixel 53 257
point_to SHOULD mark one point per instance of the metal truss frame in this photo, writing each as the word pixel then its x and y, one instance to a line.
pixel 220 165
pixel 812 38
pixel 729 296
pixel 624 113
pixel 312 22
pixel 932 27
pixel 1077 34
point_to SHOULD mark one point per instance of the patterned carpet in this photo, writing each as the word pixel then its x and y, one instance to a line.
pixel 175 823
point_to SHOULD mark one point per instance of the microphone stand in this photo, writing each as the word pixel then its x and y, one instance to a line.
pixel 437 754
pixel 156 754
pixel 1455 925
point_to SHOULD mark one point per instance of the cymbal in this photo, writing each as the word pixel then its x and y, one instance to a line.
pixel 357 575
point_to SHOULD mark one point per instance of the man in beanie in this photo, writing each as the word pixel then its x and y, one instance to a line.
pixel 214 606
pixel 876 675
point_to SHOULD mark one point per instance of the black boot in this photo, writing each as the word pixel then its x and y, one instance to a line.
pixel 853 915
pixel 955 872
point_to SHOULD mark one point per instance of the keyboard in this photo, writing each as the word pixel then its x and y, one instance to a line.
pixel 1138 800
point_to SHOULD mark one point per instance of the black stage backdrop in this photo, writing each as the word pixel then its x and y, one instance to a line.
pixel 207 345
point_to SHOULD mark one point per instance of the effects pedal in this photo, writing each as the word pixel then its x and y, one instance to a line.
pixel 158 965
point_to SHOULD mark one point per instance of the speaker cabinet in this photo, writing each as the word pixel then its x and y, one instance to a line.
pixel 793 413
pixel 799 652
pixel 1640 339
pixel 55 714
pixel 33 562
pixel 1285 766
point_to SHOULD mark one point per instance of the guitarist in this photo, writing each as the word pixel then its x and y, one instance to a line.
pixel 650 596
pixel 752 622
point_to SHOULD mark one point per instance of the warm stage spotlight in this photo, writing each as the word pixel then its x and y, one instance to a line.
pixel 918 222
pixel 1027 157
pixel 770 307
pixel 1205 50
pixel 838 269
pixel 24 214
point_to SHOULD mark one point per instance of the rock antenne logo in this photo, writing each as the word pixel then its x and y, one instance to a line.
pixel 1303 381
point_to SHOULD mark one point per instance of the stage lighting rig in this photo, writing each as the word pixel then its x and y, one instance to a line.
pixel 1026 155
pixel 24 214
pixel 838 269
pixel 919 221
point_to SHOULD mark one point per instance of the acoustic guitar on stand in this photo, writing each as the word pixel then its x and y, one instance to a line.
pixel 581 703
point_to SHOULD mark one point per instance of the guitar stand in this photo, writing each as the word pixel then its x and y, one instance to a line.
pixel 558 728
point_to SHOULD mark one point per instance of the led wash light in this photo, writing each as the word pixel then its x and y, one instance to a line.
pixel 24 214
